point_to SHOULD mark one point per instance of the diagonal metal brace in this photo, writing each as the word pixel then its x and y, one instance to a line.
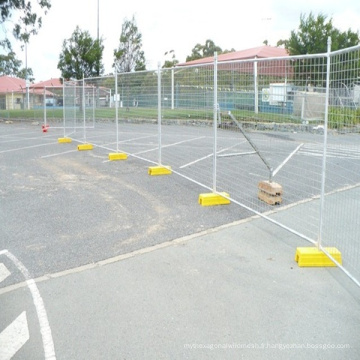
pixel 247 137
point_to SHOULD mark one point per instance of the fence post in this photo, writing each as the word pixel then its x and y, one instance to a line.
pixel 323 176
pixel 83 104
pixel 256 88
pixel 172 88
pixel 215 115
pixel 116 111
pixel 45 105
pixel 159 113
pixel 63 106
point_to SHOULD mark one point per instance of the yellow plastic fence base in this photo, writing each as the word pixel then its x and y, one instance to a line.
pixel 212 199
pixel 117 156
pixel 311 256
pixel 85 147
pixel 64 140
pixel 159 170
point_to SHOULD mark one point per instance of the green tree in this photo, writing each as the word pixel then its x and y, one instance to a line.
pixel 81 56
pixel 312 35
pixel 129 55
pixel 202 51
pixel 26 74
pixel 9 64
pixel 28 22
pixel 311 38
pixel 171 60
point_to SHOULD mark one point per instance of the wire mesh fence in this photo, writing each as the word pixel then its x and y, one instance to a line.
pixel 232 127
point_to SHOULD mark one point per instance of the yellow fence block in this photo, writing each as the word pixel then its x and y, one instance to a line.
pixel 85 147
pixel 117 156
pixel 64 140
pixel 211 199
pixel 312 256
pixel 159 170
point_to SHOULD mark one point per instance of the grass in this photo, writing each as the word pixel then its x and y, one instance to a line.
pixel 144 113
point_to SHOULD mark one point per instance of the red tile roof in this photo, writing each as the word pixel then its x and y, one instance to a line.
pixel 47 83
pixel 257 52
pixel 8 84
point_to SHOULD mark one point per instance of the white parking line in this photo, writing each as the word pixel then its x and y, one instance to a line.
pixel 14 337
pixel 169 145
pixel 48 344
pixel 26 147
pixel 4 273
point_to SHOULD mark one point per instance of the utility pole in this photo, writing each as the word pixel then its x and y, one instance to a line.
pixel 98 9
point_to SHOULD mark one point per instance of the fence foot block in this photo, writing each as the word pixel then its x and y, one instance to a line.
pixel 313 257
pixel 159 170
pixel 82 147
pixel 64 140
pixel 270 192
pixel 212 199
pixel 271 188
pixel 269 199
pixel 117 156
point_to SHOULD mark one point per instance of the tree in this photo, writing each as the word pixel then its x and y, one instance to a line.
pixel 172 62
pixel 26 73
pixel 129 56
pixel 9 64
pixel 28 22
pixel 311 38
pixel 202 51
pixel 81 56
pixel 312 35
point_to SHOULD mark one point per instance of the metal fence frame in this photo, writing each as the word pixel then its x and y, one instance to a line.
pixel 163 92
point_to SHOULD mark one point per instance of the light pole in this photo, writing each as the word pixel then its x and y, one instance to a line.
pixel 98 10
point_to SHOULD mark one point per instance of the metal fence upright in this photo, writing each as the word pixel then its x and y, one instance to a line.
pixel 44 100
pixel 324 159
pixel 83 107
pixel 116 111
pixel 159 115
pixel 215 115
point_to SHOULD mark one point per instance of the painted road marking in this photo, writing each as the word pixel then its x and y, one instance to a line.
pixel 14 337
pixel 4 273
pixel 26 147
pixel 48 344
pixel 332 151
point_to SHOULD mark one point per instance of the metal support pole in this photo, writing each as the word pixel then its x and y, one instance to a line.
pixel 63 106
pixel 256 88
pixel 215 114
pixel 116 111
pixel 94 107
pixel 159 113
pixel 323 177
pixel 172 88
pixel 45 105
pixel 75 89
pixel 247 137
pixel 83 101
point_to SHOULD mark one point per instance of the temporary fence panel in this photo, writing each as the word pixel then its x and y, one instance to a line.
pixel 277 135
pixel 342 192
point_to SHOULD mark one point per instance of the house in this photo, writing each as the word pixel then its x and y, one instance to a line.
pixel 12 92
pixel 271 68
pixel 259 52
pixel 51 90
pixel 14 95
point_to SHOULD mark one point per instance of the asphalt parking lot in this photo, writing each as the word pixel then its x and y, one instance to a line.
pixel 123 265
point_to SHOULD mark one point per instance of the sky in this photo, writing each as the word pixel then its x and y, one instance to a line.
pixel 177 26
